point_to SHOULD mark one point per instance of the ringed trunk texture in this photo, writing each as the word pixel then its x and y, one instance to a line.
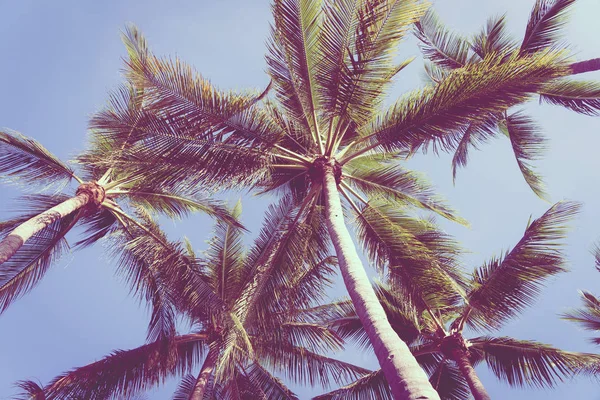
pixel 13 242
pixel 405 376
pixel 477 389
pixel 585 66
pixel 205 373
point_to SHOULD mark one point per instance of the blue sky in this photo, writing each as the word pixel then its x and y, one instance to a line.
pixel 59 61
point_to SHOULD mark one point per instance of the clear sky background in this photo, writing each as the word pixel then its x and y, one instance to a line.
pixel 60 59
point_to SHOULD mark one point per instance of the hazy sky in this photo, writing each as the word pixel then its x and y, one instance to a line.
pixel 60 59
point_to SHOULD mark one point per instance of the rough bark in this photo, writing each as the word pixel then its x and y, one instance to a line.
pixel 477 389
pixel 13 242
pixel 204 376
pixel 585 66
pixel 406 378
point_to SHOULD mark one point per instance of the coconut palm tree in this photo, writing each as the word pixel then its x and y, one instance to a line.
pixel 270 340
pixel 496 293
pixel 33 240
pixel 323 138
pixel 589 315
pixel 445 51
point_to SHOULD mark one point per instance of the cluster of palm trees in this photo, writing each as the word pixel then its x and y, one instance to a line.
pixel 318 139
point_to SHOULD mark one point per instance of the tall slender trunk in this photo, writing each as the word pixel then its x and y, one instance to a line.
pixel 13 242
pixel 477 388
pixel 205 373
pixel 585 66
pixel 405 376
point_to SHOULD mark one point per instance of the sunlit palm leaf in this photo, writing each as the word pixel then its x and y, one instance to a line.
pixel 505 286
pixel 544 25
pixel 467 95
pixel 24 160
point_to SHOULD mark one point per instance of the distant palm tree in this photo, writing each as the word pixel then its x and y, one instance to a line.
pixel 446 51
pixel 33 240
pixel 324 138
pixel 270 339
pixel 497 292
pixel 589 316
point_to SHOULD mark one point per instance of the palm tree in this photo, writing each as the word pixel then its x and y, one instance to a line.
pixel 446 51
pixel 323 138
pixel 589 316
pixel 33 240
pixel 497 292
pixel 270 340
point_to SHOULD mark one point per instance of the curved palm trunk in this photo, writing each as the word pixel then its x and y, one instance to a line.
pixel 406 378
pixel 202 381
pixel 13 242
pixel 477 389
pixel 585 66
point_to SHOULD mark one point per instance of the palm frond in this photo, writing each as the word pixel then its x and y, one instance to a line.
pixel 388 180
pixel 588 316
pixel 272 387
pixel 527 363
pixel 291 58
pixel 24 160
pixel 419 259
pixel 473 94
pixel 439 45
pixel 449 382
pixel 304 367
pixel 224 259
pixel 372 386
pixel 544 25
pixel 493 39
pixel 185 388
pixel 30 390
pixel 528 145
pixel 580 96
pixel 30 263
pixel 474 136
pixel 96 226
pixel 124 373
pixel 505 286
pixel 379 28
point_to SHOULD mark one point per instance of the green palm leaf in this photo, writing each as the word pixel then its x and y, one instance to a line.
pixel 372 386
pixel 493 38
pixel 503 287
pixel 449 382
pixel 589 316
pixel 30 391
pixel 272 387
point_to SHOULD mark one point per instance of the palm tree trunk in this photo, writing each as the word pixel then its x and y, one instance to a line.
pixel 406 378
pixel 13 242
pixel 202 381
pixel 585 66
pixel 477 389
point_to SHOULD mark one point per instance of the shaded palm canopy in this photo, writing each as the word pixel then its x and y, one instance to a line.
pixel 323 137
pixel 433 322
pixel 104 203
pixel 242 331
